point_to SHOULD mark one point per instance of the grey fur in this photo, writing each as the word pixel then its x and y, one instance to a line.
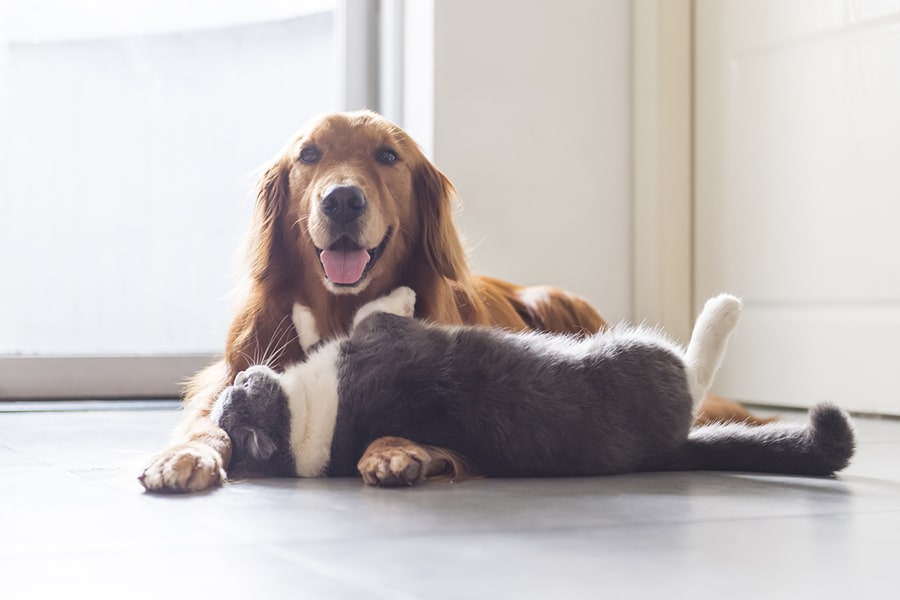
pixel 524 405
pixel 255 413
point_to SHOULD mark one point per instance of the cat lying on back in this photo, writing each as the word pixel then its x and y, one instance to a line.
pixel 516 405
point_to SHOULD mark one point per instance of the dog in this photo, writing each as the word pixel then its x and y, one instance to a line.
pixel 350 209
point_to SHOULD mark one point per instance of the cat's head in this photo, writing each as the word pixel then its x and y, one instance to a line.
pixel 254 413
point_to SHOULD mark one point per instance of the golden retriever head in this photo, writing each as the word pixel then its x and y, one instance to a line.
pixel 352 203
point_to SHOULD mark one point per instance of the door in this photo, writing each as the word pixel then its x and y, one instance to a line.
pixel 129 138
pixel 797 175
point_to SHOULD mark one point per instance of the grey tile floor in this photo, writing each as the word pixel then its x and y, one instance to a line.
pixel 75 523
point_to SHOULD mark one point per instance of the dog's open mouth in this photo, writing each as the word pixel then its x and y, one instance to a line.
pixel 346 263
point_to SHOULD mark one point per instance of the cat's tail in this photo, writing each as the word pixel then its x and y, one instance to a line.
pixel 708 341
pixel 821 447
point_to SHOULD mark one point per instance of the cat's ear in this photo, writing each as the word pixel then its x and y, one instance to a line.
pixel 255 442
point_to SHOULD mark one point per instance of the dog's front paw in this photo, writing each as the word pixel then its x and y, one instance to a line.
pixel 394 462
pixel 400 302
pixel 190 467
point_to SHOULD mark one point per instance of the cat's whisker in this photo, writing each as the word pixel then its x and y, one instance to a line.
pixel 263 359
pixel 276 356
pixel 256 355
pixel 276 335
pixel 291 338
pixel 276 342
pixel 248 358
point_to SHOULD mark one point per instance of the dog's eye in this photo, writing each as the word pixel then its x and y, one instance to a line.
pixel 310 155
pixel 386 156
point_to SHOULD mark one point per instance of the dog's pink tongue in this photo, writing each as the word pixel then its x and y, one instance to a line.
pixel 344 266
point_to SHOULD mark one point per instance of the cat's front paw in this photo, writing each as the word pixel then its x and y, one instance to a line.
pixel 394 462
pixel 400 302
pixel 189 467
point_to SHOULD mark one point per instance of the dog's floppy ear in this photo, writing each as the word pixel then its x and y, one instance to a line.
pixel 267 240
pixel 440 239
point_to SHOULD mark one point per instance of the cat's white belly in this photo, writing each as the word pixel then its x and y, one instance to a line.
pixel 312 391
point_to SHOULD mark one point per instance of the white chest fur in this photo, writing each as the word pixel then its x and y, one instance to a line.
pixel 312 391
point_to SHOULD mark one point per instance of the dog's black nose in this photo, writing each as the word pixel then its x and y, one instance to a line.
pixel 343 203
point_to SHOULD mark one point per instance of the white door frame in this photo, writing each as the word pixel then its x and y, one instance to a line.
pixel 662 159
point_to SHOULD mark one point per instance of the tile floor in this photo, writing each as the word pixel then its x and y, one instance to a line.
pixel 75 523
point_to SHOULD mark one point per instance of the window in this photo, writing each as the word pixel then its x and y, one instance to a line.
pixel 129 137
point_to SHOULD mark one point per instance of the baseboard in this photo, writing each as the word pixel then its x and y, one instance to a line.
pixel 97 377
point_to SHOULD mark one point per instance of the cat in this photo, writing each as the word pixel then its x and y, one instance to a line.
pixel 510 404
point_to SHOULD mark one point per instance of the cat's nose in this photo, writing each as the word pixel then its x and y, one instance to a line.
pixel 240 378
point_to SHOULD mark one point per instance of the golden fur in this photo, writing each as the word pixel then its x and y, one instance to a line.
pixel 408 218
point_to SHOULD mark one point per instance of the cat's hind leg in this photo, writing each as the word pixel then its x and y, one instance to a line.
pixel 708 342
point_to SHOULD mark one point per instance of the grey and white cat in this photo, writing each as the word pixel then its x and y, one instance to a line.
pixel 511 404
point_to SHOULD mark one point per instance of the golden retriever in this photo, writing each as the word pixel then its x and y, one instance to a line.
pixel 348 211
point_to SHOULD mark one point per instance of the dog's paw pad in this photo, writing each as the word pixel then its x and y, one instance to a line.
pixel 191 467
pixel 394 467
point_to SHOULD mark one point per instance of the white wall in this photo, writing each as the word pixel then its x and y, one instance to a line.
pixel 531 121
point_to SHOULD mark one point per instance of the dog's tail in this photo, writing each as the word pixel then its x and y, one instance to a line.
pixel 708 341
pixel 821 447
